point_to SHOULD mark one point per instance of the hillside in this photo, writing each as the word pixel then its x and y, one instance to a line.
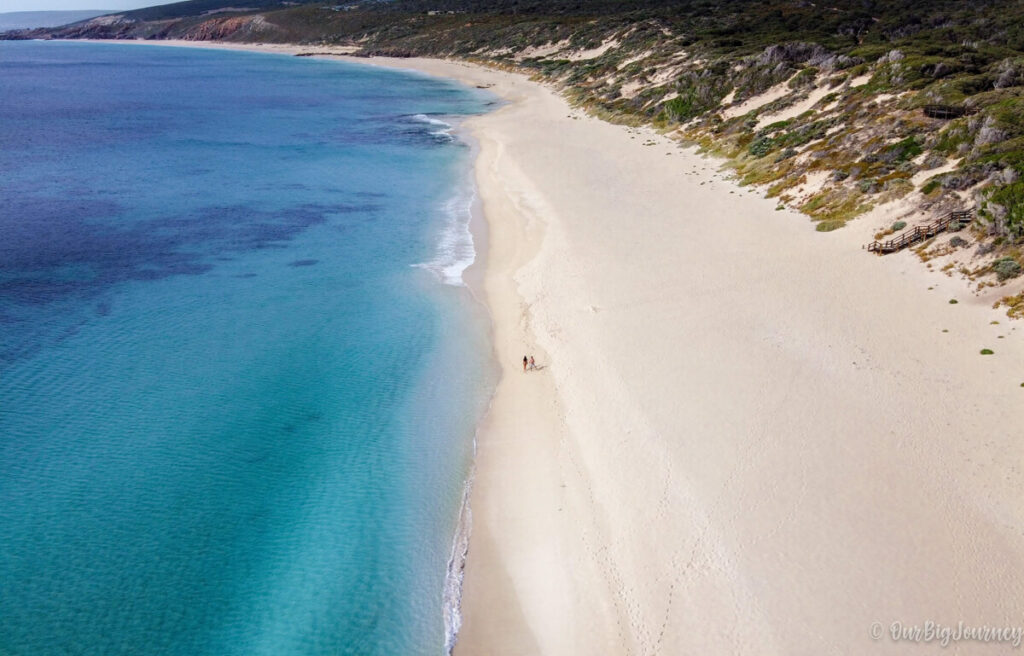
pixel 824 104
pixel 25 20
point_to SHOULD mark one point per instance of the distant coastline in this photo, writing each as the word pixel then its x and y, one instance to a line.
pixel 27 20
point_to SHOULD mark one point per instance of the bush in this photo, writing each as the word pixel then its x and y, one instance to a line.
pixel 784 155
pixel 950 139
pixel 899 225
pixel 902 151
pixel 987 351
pixel 869 186
pixel 829 225
pixel 804 78
pixel 777 126
pixel 1010 198
pixel 1006 268
pixel 681 108
pixel 762 146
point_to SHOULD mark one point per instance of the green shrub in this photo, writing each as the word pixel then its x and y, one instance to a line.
pixel 902 151
pixel 1011 198
pixel 987 351
pixel 777 126
pixel 1006 268
pixel 869 186
pixel 829 225
pixel 803 78
pixel 899 225
pixel 761 146
pixel 785 154
pixel 950 139
pixel 680 108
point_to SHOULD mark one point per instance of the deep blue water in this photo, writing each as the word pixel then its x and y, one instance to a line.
pixel 238 376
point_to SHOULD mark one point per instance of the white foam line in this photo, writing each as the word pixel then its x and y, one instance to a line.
pixel 455 248
pixel 423 118
pixel 452 600
pixel 446 128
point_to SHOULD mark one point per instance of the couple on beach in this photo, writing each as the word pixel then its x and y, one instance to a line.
pixel 532 364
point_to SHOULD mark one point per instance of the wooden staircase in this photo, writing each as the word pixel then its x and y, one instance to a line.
pixel 945 112
pixel 953 221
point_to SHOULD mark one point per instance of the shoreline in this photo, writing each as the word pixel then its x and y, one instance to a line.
pixel 558 563
pixel 474 278
pixel 748 436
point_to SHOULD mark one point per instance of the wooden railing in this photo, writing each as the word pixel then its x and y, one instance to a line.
pixel 953 221
pixel 944 111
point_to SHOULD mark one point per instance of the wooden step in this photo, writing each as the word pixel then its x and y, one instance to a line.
pixel 956 220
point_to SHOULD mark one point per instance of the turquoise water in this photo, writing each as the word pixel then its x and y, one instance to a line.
pixel 239 377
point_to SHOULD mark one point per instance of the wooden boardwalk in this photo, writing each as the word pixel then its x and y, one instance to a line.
pixel 945 112
pixel 953 221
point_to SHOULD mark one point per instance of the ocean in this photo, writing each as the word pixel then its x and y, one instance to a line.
pixel 240 373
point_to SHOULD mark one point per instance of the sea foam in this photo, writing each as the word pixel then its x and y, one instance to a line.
pixel 455 250
pixel 445 131
pixel 452 596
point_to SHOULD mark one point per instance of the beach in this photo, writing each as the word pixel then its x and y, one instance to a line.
pixel 745 436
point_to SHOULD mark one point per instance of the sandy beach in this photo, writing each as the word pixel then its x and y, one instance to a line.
pixel 746 437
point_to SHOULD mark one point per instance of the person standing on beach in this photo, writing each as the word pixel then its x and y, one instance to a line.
pixel 524 364
pixel 533 365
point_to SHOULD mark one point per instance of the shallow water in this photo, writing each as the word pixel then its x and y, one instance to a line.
pixel 239 377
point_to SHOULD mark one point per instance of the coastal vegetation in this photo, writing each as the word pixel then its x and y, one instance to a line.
pixel 834 108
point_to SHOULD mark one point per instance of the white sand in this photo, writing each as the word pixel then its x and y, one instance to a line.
pixel 635 58
pixel 756 102
pixel 860 80
pixel 593 53
pixel 921 177
pixel 797 108
pixel 545 50
pixel 748 437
